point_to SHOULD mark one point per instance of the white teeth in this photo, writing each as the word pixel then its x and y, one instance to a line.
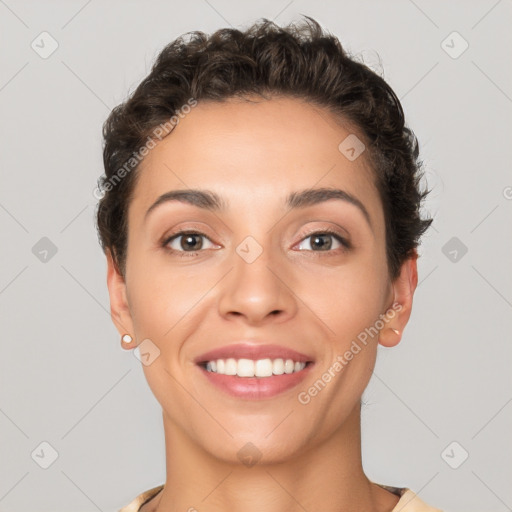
pixel 250 368
pixel 245 368
pixel 230 367
pixel 278 367
pixel 289 366
pixel 263 368
pixel 211 366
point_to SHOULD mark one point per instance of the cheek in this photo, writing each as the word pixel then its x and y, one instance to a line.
pixel 166 309
pixel 163 296
pixel 350 305
pixel 348 300
pixel 355 312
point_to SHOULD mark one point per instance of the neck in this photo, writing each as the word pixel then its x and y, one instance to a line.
pixel 328 477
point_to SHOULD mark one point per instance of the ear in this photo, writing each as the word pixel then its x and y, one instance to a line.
pixel 403 289
pixel 119 308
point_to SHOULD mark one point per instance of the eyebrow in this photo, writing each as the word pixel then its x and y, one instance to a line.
pixel 209 200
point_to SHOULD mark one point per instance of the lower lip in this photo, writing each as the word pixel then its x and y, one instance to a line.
pixel 256 388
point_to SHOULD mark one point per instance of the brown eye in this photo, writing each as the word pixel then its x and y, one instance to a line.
pixel 322 241
pixel 191 241
pixel 186 241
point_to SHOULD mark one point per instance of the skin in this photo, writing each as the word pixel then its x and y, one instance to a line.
pixel 295 294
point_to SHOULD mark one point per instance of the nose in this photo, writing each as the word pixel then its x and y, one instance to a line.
pixel 258 292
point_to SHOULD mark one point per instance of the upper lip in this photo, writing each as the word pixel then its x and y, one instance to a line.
pixel 253 351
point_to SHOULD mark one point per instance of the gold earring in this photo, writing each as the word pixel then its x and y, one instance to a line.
pixel 396 330
pixel 126 338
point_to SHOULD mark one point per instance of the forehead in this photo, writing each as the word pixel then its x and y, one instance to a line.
pixel 255 151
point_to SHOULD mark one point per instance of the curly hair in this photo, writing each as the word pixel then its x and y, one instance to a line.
pixel 300 61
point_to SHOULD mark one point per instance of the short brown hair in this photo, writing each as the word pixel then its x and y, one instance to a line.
pixel 301 61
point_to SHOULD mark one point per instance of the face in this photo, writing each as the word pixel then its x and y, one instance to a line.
pixel 308 276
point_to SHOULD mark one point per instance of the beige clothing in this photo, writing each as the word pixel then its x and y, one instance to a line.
pixel 408 502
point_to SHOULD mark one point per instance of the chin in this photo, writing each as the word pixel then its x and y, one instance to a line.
pixel 252 450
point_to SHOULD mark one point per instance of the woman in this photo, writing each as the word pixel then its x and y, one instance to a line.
pixel 260 219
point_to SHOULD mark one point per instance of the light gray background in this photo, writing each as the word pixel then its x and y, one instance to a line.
pixel 65 379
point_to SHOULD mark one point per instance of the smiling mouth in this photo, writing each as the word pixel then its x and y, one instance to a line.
pixel 249 368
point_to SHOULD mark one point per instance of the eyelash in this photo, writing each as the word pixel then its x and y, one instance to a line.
pixel 184 254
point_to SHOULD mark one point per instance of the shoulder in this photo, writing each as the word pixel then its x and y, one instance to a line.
pixel 410 502
pixel 144 497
